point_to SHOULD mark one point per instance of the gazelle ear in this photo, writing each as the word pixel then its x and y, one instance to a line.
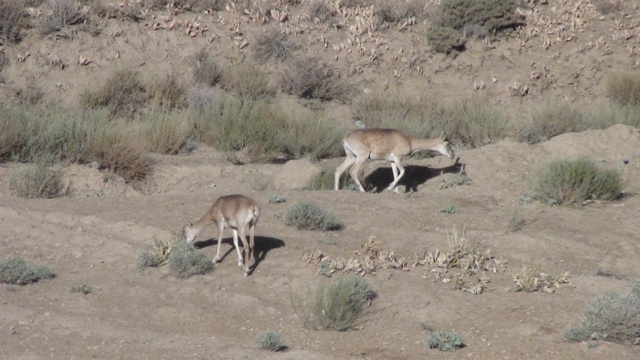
pixel 190 223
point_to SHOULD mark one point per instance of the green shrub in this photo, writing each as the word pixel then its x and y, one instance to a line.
pixel 310 216
pixel 205 70
pixel 37 181
pixel 309 134
pixel 270 341
pixel 337 305
pixel 14 20
pixel 312 78
pixel 624 87
pixel 550 121
pixel 444 341
pixel 611 317
pixel 574 182
pixel 185 261
pixel 14 270
pixel 272 44
pixel 123 93
pixel 248 82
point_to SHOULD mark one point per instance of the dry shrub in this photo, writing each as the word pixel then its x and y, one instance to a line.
pixel 205 70
pixel 478 18
pixel 445 40
pixel 13 132
pixel 320 11
pixel 168 92
pixel 168 132
pixel 445 341
pixel 186 261
pixel 312 78
pixel 310 135
pixel 248 82
pixel 14 270
pixel 58 14
pixel 156 256
pixel 531 279
pixel 392 11
pixel 14 20
pixel 123 93
pixel 307 215
pixel 549 121
pixel 624 87
pixel 272 44
pixel 119 150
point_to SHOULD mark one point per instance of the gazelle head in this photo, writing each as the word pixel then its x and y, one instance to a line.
pixel 189 234
pixel 444 148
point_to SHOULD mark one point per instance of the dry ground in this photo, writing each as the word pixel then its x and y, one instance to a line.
pixel 93 236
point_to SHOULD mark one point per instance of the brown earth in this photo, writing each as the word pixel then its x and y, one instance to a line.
pixel 94 235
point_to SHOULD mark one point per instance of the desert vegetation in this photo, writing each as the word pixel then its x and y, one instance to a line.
pixel 14 270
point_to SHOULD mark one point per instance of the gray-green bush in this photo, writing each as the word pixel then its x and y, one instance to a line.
pixel 37 181
pixel 611 317
pixel 308 215
pixel 269 340
pixel 574 182
pixel 445 341
pixel 338 304
pixel 14 270
pixel 185 261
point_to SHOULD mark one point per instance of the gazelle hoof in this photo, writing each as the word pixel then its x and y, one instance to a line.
pixel 215 260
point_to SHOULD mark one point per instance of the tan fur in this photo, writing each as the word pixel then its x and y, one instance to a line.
pixel 384 144
pixel 231 211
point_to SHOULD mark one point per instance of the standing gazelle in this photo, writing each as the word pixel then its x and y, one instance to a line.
pixel 233 211
pixel 384 144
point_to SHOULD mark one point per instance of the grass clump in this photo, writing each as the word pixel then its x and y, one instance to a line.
pixel 454 180
pixel 14 20
pixel 37 181
pixel 168 92
pixel 247 82
pixel 624 87
pixel 205 70
pixel 445 40
pixel 123 93
pixel 307 215
pixel 611 317
pixel 478 18
pixel 312 78
pixel 185 261
pixel 338 304
pixel 310 134
pixel 83 289
pixel 157 256
pixel 270 341
pixel 59 14
pixel 550 121
pixel 575 182
pixel 272 44
pixel 445 341
pixel 324 181
pixel 14 270
pixel 320 11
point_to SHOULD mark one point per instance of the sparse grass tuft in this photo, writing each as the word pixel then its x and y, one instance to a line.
pixel 168 92
pixel 83 289
pixel 516 222
pixel 276 199
pixel 312 78
pixel 453 180
pixel 14 270
pixel 337 305
pixel 37 181
pixel 611 317
pixel 308 215
pixel 574 182
pixel 270 341
pixel 185 261
pixel 119 150
pixel 320 11
pixel 445 341
pixel 624 87
pixel 123 93
pixel 324 181
pixel 14 20
pixel 272 44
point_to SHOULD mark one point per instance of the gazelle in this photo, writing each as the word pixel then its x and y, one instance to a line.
pixel 232 211
pixel 384 144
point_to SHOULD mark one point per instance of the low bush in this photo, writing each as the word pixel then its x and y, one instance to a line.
pixel 478 18
pixel 320 11
pixel 624 87
pixel 205 70
pixel 308 215
pixel 272 44
pixel 185 261
pixel 270 341
pixel 445 341
pixel 549 121
pixel 168 92
pixel 312 78
pixel 123 94
pixel 574 182
pixel 59 14
pixel 338 304
pixel 611 317
pixel 14 270
pixel 14 20
pixel 247 82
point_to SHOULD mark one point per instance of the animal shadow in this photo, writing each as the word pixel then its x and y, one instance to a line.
pixel 414 176
pixel 262 246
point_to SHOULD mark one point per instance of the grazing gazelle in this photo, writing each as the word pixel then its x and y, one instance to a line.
pixel 233 211
pixel 384 144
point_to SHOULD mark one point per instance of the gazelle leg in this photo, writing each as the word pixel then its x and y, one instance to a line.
pixel 245 251
pixel 220 231
pixel 341 169
pixel 355 169
pixel 394 170
pixel 394 184
pixel 235 243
